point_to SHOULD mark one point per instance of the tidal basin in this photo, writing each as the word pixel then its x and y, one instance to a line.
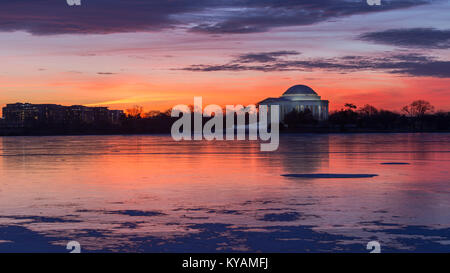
pixel 316 193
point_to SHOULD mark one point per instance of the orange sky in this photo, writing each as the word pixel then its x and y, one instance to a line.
pixel 157 93
pixel 151 68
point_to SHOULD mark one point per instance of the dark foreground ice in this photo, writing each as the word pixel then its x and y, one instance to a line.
pixel 328 175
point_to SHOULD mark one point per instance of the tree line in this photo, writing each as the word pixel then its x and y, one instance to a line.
pixel 418 116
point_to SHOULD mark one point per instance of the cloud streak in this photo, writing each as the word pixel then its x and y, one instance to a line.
pixel 263 15
pixel 265 57
pixel 413 37
pixel 46 17
pixel 405 64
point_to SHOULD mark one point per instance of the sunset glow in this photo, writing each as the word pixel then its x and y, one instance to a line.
pixel 152 65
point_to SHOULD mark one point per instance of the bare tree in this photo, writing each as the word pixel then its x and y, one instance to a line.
pixel 350 106
pixel 418 108
pixel 135 112
pixel 368 110
pixel 152 114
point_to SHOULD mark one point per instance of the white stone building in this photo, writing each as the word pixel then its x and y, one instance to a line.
pixel 299 97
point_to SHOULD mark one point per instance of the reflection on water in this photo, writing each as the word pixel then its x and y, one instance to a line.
pixel 150 194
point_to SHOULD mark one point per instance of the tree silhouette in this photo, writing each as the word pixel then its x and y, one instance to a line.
pixel 368 110
pixel 295 118
pixel 350 106
pixel 418 108
pixel 135 112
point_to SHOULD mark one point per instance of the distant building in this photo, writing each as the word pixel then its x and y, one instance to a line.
pixel 299 98
pixel 27 114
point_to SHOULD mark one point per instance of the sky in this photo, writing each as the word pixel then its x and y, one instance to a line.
pixel 160 53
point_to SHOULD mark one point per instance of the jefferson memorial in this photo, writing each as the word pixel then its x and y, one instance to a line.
pixel 299 98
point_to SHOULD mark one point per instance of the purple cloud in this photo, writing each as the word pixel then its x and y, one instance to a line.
pixel 45 17
pixel 407 64
pixel 413 37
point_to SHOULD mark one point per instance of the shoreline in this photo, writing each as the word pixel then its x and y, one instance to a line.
pixel 168 134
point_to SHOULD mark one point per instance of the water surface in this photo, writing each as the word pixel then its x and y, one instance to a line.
pixel 151 194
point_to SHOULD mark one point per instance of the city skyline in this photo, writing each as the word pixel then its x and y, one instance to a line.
pixel 226 52
pixel 38 115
